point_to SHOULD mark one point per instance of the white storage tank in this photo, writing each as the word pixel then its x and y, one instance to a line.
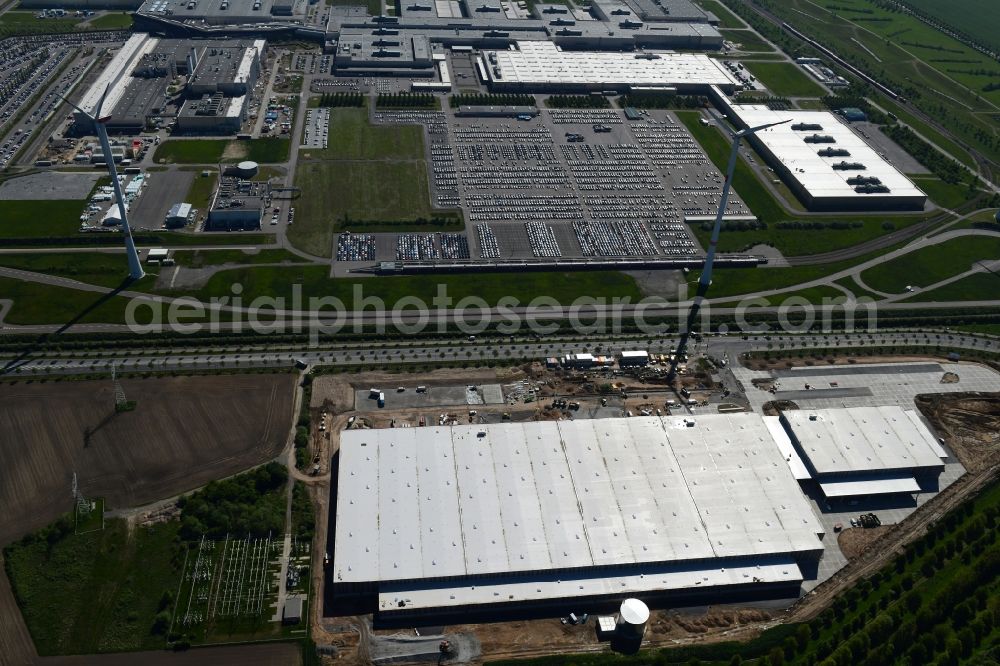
pixel 632 618
pixel 247 169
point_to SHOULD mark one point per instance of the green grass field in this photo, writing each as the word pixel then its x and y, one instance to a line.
pixel 202 188
pixel 491 287
pixel 978 18
pixel 943 194
pixel 727 19
pixel 785 79
pixel 191 151
pixel 38 219
pixel 199 258
pixel 352 137
pixel 213 151
pixel 978 287
pixel 100 268
pixel 121 21
pixel 369 178
pixel 25 23
pixel 748 40
pixel 96 592
pixel 931 264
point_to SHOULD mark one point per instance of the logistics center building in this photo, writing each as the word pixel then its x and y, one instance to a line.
pixel 449 520
pixel 824 162
pixel 865 451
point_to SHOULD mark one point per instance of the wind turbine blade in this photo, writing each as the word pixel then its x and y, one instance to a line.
pixel 100 102
pixel 66 99
pixel 752 130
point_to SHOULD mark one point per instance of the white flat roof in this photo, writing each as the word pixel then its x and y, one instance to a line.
pixel 786 447
pixel 542 62
pixel 117 73
pixel 651 579
pixel 862 439
pixel 882 486
pixel 814 172
pixel 438 502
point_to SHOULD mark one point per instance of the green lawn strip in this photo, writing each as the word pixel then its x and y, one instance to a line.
pixel 931 264
pixel 946 195
pixel 121 21
pixel 851 284
pixel 785 79
pixel 95 592
pixel 42 304
pixel 199 258
pixel 748 40
pixel 751 190
pixel 977 287
pixel 727 19
pixel 38 219
pixel 202 188
pixel 26 23
pixel 101 268
pixel 315 281
pixel 988 329
pixel 211 151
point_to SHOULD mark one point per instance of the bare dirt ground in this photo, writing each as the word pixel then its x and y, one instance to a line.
pixel 853 541
pixel 825 361
pixel 970 423
pixel 184 432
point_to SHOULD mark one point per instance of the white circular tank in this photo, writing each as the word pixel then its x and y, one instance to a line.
pixel 247 169
pixel 632 618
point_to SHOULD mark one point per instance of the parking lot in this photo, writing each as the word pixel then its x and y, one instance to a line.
pixel 576 183
pixel 317 129
pixel 163 190
pixel 431 396
pixel 49 185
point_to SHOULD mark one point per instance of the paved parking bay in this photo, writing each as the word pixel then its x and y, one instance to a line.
pixel 163 190
pixel 48 185
pixel 434 396
pixel 901 369
pixel 818 394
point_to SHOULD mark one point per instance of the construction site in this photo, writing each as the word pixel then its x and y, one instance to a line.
pixel 948 401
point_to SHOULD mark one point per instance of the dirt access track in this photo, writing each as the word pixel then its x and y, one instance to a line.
pixel 184 432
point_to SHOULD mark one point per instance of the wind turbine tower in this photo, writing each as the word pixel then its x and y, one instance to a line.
pixel 135 271
pixel 706 274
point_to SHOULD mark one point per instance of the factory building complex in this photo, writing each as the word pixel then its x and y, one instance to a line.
pixel 453 520
pixel 217 77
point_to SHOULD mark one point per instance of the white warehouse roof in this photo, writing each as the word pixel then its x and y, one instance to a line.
pixel 543 63
pixel 815 173
pixel 435 502
pixel 863 439
pixel 117 73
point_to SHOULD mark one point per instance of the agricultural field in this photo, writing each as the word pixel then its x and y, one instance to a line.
pixel 173 441
pixel 978 18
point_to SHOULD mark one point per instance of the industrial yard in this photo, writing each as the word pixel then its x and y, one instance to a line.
pixel 292 476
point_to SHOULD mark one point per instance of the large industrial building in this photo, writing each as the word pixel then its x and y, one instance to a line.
pixel 865 451
pixel 238 205
pixel 544 67
pixel 457 519
pixel 218 75
pixel 827 165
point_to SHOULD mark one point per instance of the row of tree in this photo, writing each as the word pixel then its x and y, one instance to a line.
pixel 347 99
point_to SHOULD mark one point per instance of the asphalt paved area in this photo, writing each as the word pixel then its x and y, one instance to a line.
pixel 49 185
pixel 820 394
pixel 163 190
pixel 434 396
pixel 900 369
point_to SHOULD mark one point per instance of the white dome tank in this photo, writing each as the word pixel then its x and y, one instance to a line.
pixel 632 618
pixel 247 169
